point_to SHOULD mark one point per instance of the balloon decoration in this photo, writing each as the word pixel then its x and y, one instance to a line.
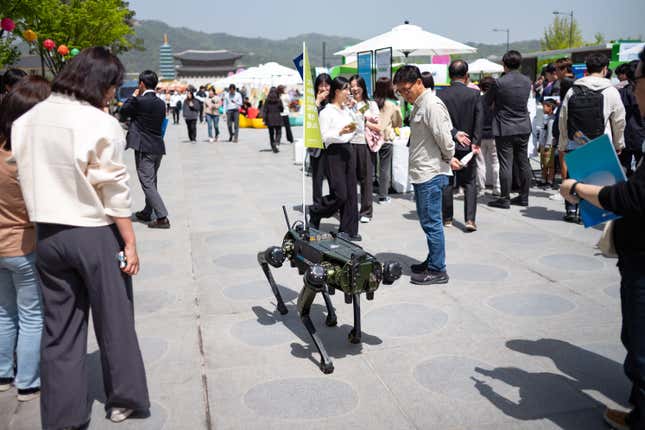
pixel 30 36
pixel 63 50
pixel 49 44
pixel 74 52
pixel 7 24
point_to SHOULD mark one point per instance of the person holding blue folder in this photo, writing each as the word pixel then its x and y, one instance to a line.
pixel 626 199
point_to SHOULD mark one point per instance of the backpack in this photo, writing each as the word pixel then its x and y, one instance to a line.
pixel 585 112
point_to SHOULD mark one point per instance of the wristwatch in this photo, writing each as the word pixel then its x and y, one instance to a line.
pixel 572 190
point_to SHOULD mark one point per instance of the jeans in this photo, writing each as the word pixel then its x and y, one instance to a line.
pixel 428 196
pixel 21 317
pixel 213 123
pixel 233 123
pixel 632 298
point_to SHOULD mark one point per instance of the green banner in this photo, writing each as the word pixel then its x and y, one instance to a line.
pixel 312 138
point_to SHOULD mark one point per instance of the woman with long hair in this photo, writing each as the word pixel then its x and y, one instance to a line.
pixel 337 128
pixel 212 104
pixel 271 115
pixel 366 114
pixel 190 111
pixel 284 98
pixel 322 84
pixel 21 318
pixel 389 119
pixel 69 155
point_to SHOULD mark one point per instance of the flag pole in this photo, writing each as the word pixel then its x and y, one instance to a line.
pixel 304 135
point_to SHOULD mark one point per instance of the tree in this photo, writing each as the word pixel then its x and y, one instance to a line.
pixel 74 23
pixel 562 34
pixel 598 39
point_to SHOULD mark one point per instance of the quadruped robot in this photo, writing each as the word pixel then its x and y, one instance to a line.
pixel 328 263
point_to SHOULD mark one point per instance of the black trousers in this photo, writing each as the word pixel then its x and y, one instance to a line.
pixel 287 128
pixel 384 169
pixel 632 298
pixel 274 136
pixel 79 271
pixel 341 170
pixel 625 158
pixel 175 115
pixel 466 178
pixel 318 175
pixel 191 125
pixel 364 176
pixel 510 148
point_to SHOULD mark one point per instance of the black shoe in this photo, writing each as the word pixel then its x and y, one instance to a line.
pixel 160 223
pixel 500 203
pixel 348 238
pixel 314 219
pixel 429 277
pixel 419 268
pixel 570 217
pixel 517 201
pixel 141 216
pixel 230 139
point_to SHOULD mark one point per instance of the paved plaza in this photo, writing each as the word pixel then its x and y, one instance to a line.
pixel 525 335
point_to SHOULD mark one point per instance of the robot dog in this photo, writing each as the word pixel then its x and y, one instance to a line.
pixel 328 263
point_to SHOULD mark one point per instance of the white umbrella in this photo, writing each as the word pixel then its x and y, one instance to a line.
pixel 408 39
pixel 483 65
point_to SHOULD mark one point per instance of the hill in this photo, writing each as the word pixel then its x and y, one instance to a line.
pixel 255 50
pixel 488 51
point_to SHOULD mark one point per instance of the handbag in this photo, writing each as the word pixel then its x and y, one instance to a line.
pixel 606 242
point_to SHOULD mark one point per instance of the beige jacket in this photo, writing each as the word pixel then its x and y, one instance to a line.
pixel 389 119
pixel 70 163
pixel 431 143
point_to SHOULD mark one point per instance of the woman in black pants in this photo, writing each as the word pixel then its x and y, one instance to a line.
pixel 337 128
pixel 191 113
pixel 75 186
pixel 317 157
pixel 284 98
pixel 628 200
pixel 271 115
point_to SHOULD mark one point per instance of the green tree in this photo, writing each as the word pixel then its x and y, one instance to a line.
pixel 598 39
pixel 562 34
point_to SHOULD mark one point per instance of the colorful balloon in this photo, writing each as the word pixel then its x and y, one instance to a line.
pixel 63 50
pixel 30 36
pixel 74 52
pixel 49 44
pixel 7 24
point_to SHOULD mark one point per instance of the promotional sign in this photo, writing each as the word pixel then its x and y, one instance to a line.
pixel 439 72
pixel 364 60
pixel 383 63
pixel 298 63
pixel 312 137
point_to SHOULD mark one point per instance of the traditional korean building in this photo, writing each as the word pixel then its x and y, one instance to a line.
pixel 202 67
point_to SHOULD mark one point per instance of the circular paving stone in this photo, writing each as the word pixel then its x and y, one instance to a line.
pixel 519 238
pixel 572 262
pixel 150 301
pixel 152 348
pixel 256 290
pixel 237 261
pixel 450 377
pixel 531 304
pixel 477 272
pixel 302 398
pixel 154 270
pixel 287 328
pixel 613 291
pixel 404 319
pixel 156 420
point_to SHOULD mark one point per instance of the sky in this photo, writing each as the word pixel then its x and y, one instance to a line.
pixel 466 20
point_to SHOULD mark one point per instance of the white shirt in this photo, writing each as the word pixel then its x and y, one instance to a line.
pixel 284 98
pixel 332 120
pixel 232 102
pixel 70 163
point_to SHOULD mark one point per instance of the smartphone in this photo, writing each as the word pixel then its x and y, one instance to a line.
pixel 120 257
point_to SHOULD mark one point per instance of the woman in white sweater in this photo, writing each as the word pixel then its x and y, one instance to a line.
pixel 337 128
pixel 69 154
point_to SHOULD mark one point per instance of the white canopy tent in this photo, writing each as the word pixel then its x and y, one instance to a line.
pixel 483 65
pixel 269 74
pixel 410 40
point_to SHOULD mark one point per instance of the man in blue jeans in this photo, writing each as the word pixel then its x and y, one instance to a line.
pixel 431 161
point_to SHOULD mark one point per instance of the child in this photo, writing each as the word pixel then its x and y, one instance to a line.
pixel 546 147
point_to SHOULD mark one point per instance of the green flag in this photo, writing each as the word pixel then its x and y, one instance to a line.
pixel 313 139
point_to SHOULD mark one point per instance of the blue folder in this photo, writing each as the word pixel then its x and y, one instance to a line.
pixel 595 163
pixel 164 126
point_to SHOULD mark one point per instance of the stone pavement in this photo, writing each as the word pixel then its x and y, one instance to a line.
pixel 525 335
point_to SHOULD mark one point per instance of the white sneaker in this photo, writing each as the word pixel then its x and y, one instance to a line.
pixel 120 414
pixel 211 140
pixel 5 387
pixel 365 219
pixel 557 197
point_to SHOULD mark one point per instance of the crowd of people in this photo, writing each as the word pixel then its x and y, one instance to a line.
pixel 67 244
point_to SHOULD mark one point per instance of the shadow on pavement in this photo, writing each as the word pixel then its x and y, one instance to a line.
pixel 552 396
pixel 333 338
pixel 403 260
pixel 540 212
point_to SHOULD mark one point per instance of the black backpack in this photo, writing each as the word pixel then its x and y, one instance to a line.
pixel 585 112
